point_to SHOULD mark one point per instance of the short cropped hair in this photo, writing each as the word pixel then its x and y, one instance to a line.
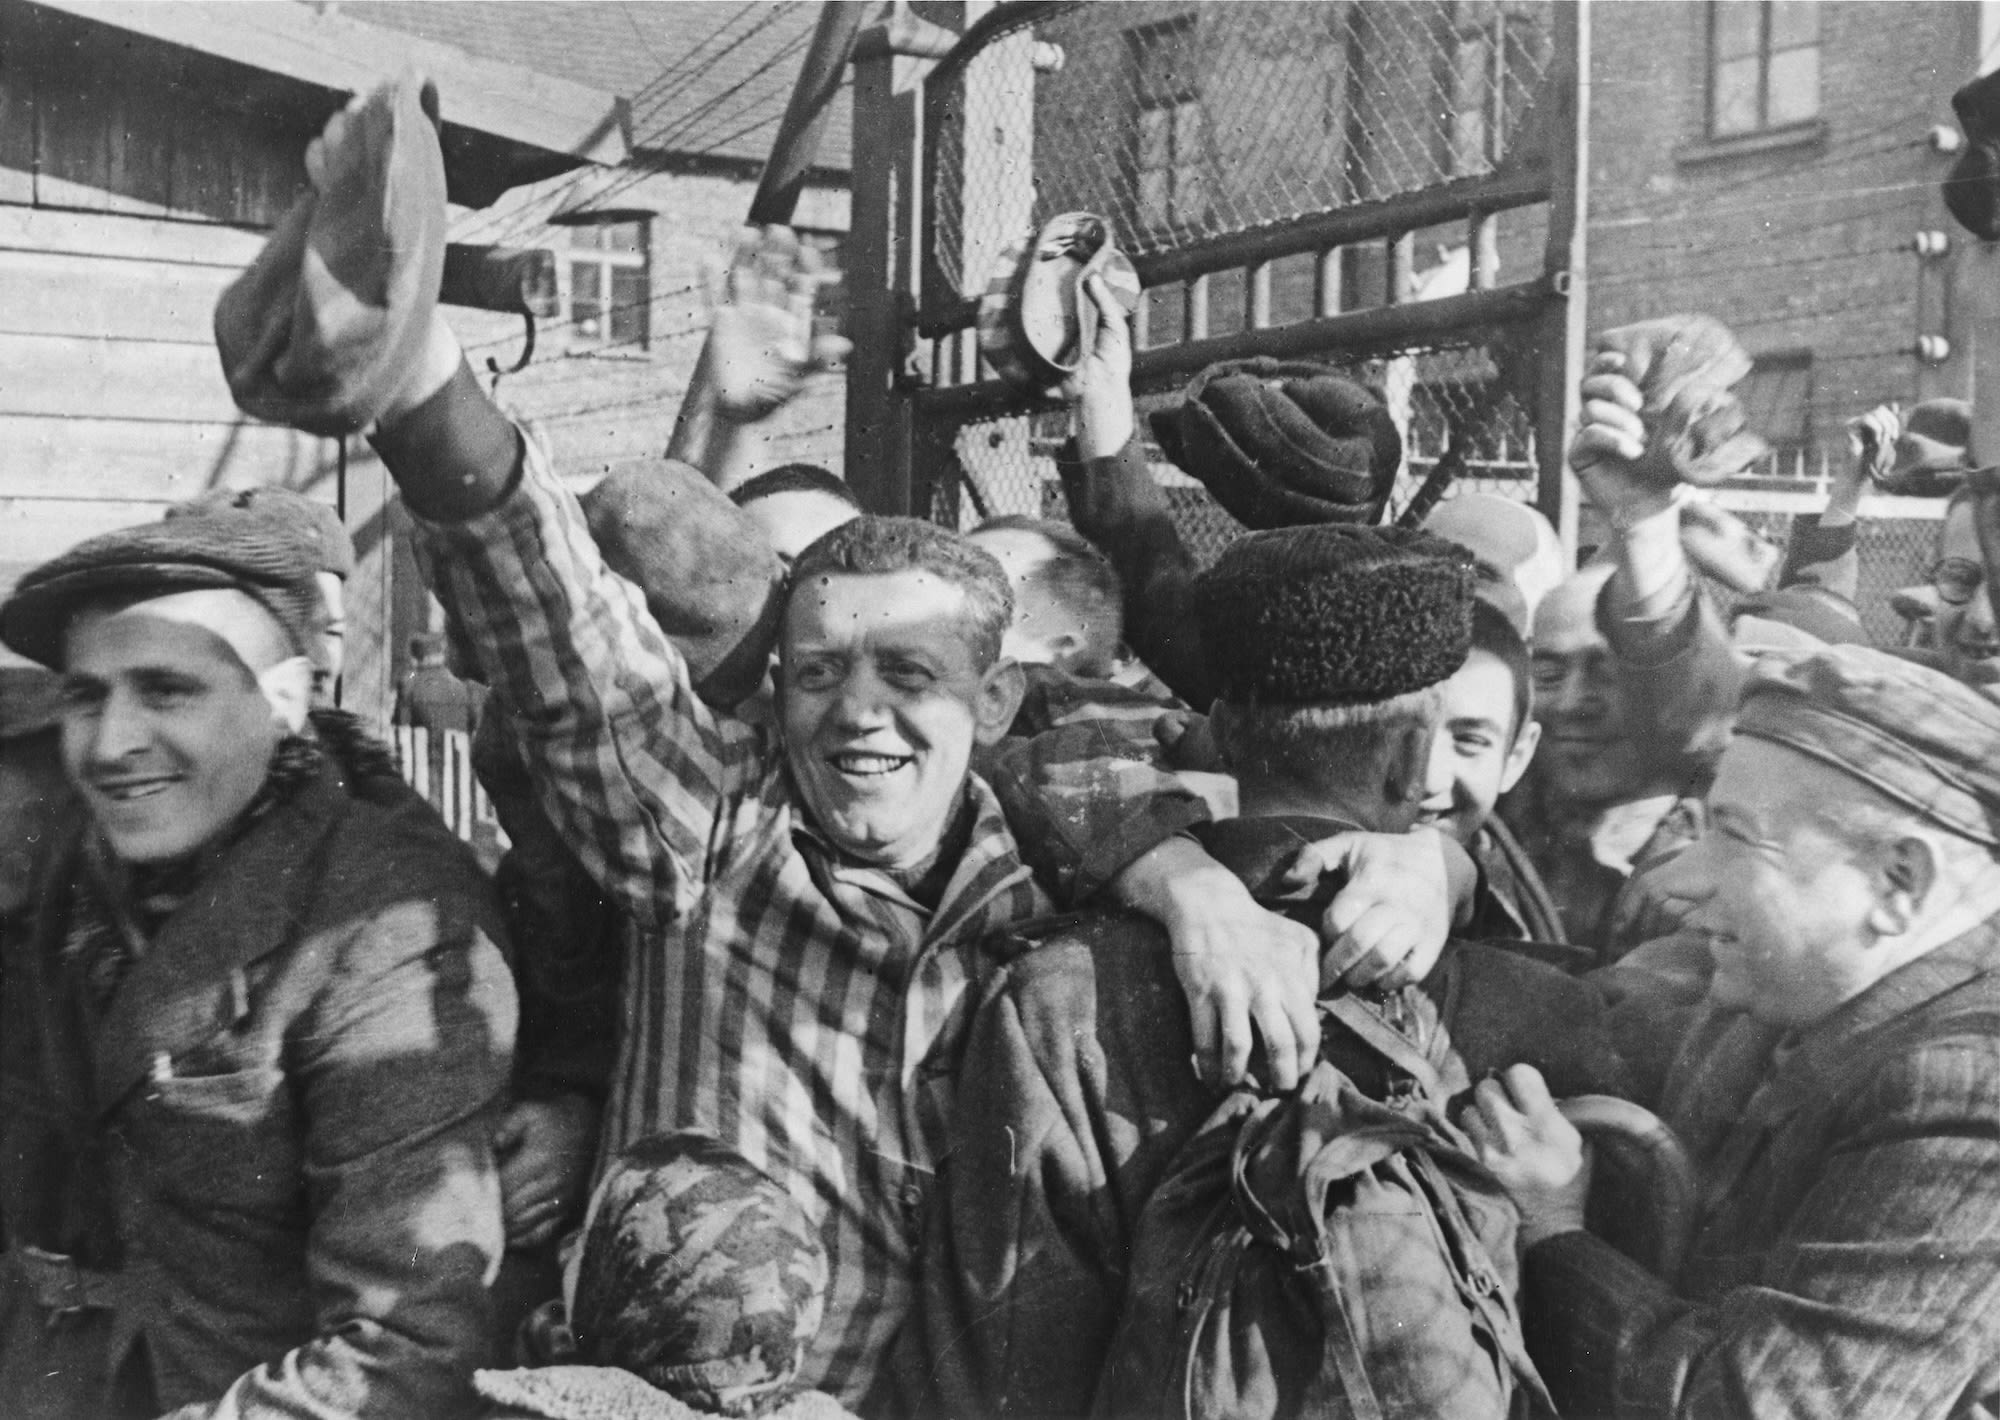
pixel 1320 747
pixel 794 478
pixel 1077 576
pixel 871 546
pixel 1494 634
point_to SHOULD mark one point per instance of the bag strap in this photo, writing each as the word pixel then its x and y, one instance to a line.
pixel 1341 1385
pixel 1385 1041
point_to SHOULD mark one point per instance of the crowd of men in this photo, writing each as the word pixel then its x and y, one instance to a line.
pixel 1012 973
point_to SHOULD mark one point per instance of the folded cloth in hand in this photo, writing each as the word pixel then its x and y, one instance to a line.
pixel 324 326
pixel 1036 320
pixel 1685 368
pixel 1284 443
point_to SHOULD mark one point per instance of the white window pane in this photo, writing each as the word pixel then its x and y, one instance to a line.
pixel 1736 96
pixel 1190 193
pixel 1794 23
pixel 625 236
pixel 1190 132
pixel 628 305
pixel 1736 25
pixel 1155 137
pixel 1153 196
pixel 586 300
pixel 1794 85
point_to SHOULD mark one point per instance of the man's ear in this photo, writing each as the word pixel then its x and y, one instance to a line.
pixel 1001 691
pixel 288 686
pixel 1905 876
pixel 1520 754
pixel 1407 765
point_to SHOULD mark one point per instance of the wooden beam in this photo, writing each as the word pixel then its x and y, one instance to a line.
pixel 329 51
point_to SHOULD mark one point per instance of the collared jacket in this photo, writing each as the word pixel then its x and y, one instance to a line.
pixel 1847 1257
pixel 1075 1092
pixel 262 1167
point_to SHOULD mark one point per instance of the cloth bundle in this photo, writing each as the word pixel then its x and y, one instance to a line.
pixel 322 328
pixel 1685 367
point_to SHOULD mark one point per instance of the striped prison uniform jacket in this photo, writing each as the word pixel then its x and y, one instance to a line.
pixel 790 1003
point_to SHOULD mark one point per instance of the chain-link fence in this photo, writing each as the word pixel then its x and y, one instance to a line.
pixel 1894 553
pixel 1008 464
pixel 1282 175
pixel 1184 123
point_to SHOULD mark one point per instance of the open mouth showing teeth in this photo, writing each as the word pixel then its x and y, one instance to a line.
pixel 868 765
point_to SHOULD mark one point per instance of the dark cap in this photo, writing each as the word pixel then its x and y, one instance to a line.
pixel 1933 449
pixel 1913 734
pixel 1284 443
pixel 333 549
pixel 1335 615
pixel 709 577
pixel 270 560
pixel 699 1274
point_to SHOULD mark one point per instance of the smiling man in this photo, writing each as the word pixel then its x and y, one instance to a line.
pixel 1841 1095
pixel 254 1046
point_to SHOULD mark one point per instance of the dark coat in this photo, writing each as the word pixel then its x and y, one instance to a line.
pixel 268 1155
pixel 1074 1094
pixel 1847 1260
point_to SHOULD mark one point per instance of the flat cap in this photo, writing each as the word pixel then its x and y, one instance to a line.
pixel 1913 734
pixel 1518 552
pixel 1335 615
pixel 709 577
pixel 270 560
pixel 1284 443
pixel 332 547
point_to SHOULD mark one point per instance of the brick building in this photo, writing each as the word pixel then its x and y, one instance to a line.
pixel 706 84
pixel 1771 163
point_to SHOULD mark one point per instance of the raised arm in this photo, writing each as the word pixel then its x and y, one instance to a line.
pixel 1114 502
pixel 626 759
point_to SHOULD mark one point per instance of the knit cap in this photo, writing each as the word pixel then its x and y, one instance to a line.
pixel 699 1275
pixel 1335 615
pixel 333 548
pixel 271 560
pixel 1283 443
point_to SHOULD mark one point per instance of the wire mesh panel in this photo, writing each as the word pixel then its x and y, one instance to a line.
pixel 1008 464
pixel 1369 186
pixel 1894 553
pixel 1181 123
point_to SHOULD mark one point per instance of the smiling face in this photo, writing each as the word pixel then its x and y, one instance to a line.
pixel 166 733
pixel 1791 908
pixel 1588 752
pixel 1966 633
pixel 1477 755
pixel 882 693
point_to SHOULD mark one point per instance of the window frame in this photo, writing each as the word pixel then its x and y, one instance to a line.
pixel 606 260
pixel 1172 102
pixel 1763 55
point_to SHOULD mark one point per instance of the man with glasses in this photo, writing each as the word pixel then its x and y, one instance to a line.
pixel 1965 638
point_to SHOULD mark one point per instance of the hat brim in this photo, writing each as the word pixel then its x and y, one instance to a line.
pixel 36 618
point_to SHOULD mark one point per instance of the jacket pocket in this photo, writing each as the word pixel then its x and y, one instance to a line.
pixel 219 1143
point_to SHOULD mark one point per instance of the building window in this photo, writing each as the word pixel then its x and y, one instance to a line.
pixel 1763 64
pixel 1777 403
pixel 603 295
pixel 1171 140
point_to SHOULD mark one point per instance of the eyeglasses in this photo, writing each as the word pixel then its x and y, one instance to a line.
pixel 1957 580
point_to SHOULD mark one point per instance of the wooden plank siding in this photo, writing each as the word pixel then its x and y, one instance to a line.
pixel 135 181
